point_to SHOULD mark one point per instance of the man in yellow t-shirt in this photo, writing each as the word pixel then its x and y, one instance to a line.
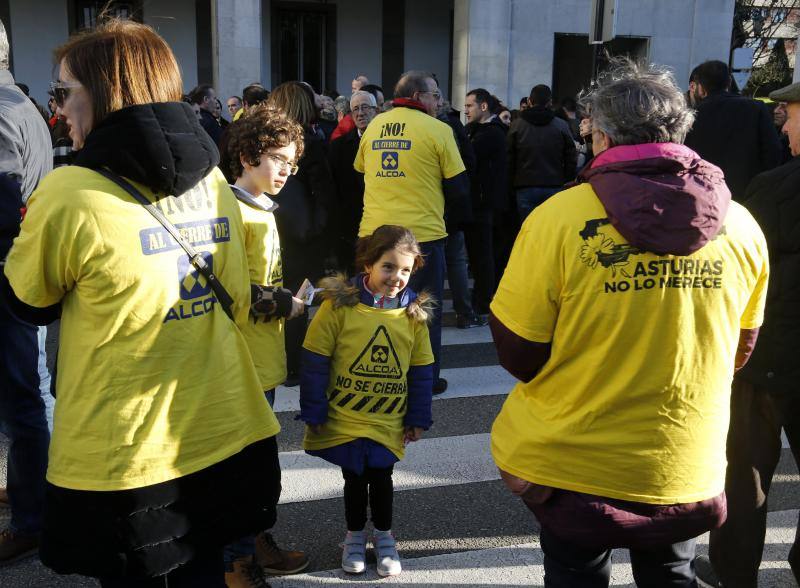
pixel 627 305
pixel 412 172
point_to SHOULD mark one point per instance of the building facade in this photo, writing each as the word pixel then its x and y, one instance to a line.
pixel 506 46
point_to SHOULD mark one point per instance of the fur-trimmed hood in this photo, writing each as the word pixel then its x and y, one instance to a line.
pixel 343 292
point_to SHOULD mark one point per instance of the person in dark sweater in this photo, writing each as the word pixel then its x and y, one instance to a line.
pixel 541 152
pixel 731 131
pixel 206 98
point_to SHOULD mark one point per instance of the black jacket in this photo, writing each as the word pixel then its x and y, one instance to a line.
pixel 541 151
pixel 349 185
pixel 773 198
pixel 455 211
pixel 210 124
pixel 490 180
pixel 736 134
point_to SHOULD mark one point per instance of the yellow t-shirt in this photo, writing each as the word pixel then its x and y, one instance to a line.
pixel 371 350
pixel 264 335
pixel 404 154
pixel 634 400
pixel 239 114
pixel 154 381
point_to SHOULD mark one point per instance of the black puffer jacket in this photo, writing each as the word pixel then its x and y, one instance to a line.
pixel 773 198
pixel 541 151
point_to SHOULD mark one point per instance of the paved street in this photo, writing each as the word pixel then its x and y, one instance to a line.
pixel 455 522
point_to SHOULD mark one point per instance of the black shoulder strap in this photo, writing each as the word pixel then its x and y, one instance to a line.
pixel 195 257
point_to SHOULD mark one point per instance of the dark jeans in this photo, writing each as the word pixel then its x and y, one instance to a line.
pixel 204 571
pixel 375 486
pixel 567 565
pixel 479 237
pixel 531 197
pixel 431 278
pixel 22 414
pixel 456 257
pixel 754 449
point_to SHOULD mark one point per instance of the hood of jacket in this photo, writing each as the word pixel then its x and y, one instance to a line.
pixel 343 292
pixel 537 115
pixel 160 145
pixel 662 197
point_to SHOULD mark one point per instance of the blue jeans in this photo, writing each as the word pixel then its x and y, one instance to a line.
pixel 24 421
pixel 531 197
pixel 431 278
pixel 567 565
pixel 456 257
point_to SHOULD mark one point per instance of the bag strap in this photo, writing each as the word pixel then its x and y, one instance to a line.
pixel 195 257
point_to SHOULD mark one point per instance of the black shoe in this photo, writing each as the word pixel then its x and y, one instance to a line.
pixel 706 576
pixel 470 321
pixel 439 386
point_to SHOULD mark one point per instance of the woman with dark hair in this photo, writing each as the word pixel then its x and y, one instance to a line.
pixel 305 207
pixel 163 446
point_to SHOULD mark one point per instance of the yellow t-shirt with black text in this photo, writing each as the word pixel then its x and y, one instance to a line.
pixel 264 335
pixel 154 381
pixel 404 155
pixel 371 350
pixel 634 400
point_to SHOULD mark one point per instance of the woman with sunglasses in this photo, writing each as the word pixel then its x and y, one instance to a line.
pixel 163 446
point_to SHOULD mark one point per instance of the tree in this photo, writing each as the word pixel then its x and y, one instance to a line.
pixel 774 74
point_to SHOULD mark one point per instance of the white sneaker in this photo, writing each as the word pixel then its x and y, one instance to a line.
pixel 354 552
pixel 386 554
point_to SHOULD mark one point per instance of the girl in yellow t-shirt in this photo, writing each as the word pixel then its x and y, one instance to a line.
pixel 366 385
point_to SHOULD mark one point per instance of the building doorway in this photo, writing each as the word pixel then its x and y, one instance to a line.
pixel 572 60
pixel 304 44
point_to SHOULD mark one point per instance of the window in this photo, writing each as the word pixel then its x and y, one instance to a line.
pixel 84 13
pixel 304 44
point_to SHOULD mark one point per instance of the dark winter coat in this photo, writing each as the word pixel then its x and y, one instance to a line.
pixel 211 126
pixel 737 135
pixel 541 151
pixel 490 180
pixel 349 189
pixel 773 198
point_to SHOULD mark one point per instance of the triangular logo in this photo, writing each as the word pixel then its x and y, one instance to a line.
pixel 378 359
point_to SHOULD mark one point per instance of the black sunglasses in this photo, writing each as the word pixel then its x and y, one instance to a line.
pixel 60 91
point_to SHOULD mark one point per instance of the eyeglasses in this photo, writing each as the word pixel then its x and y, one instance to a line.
pixel 364 108
pixel 60 91
pixel 283 165
pixel 436 95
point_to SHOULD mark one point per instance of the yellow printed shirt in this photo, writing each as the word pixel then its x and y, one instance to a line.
pixel 404 155
pixel 154 381
pixel 371 350
pixel 264 335
pixel 633 402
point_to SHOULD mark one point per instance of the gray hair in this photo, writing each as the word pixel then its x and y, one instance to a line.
pixel 411 82
pixel 372 101
pixel 634 103
pixel 342 104
pixel 4 49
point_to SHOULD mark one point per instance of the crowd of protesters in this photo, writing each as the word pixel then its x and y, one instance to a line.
pixel 620 247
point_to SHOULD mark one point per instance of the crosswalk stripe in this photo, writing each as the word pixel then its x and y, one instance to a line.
pixel 455 336
pixel 462 383
pixel 428 463
pixel 522 564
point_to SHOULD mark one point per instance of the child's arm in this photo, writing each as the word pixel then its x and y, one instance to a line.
pixel 314 378
pixel 419 415
pixel 274 301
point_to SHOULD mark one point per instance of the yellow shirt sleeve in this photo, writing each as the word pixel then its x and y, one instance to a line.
pixel 528 297
pixel 323 330
pixel 358 163
pixel 258 250
pixel 450 161
pixel 753 315
pixel 46 259
pixel 421 352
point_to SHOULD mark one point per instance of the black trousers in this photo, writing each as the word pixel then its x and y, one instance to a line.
pixel 373 485
pixel 754 449
pixel 480 251
pixel 571 566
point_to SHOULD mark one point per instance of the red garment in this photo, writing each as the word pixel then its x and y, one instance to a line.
pixel 345 125
pixel 410 103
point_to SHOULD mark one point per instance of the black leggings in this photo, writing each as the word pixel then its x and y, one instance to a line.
pixel 374 484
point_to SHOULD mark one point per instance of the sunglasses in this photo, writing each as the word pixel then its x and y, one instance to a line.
pixel 60 91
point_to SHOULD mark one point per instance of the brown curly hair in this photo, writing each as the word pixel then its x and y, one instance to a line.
pixel 260 128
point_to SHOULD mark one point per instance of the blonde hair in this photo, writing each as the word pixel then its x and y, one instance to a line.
pixel 122 63
pixel 296 101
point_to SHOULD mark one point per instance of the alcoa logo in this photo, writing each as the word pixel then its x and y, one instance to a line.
pixel 389 160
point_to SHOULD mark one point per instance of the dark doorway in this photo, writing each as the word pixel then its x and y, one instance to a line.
pixel 304 44
pixel 83 14
pixel 572 60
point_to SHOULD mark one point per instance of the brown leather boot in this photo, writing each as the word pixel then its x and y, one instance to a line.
pixel 246 574
pixel 15 546
pixel 276 561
